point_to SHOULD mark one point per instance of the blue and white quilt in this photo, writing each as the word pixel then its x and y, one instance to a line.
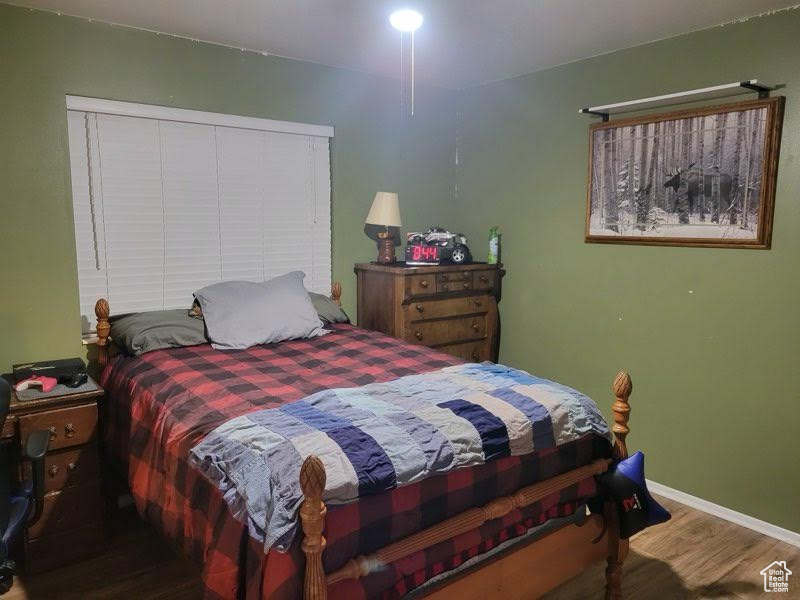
pixel 384 435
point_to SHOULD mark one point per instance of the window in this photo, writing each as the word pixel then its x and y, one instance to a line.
pixel 169 200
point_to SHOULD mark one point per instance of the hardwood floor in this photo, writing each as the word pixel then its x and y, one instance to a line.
pixel 693 556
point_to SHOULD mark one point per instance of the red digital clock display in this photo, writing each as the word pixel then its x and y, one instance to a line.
pixel 421 254
pixel 425 254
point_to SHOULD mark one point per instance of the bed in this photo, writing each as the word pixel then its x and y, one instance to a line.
pixel 419 538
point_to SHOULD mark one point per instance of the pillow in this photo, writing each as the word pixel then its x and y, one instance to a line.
pixel 138 333
pixel 240 314
pixel 327 310
pixel 636 508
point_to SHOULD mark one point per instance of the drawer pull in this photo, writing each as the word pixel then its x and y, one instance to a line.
pixel 71 467
pixel 420 308
pixel 52 430
pixel 484 279
pixel 423 283
pixel 478 303
pixel 418 335
pixel 69 430
pixel 443 277
pixel 466 285
pixel 475 326
pixel 464 274
pixel 444 287
pixel 53 471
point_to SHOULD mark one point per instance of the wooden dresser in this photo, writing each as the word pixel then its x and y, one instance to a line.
pixel 450 307
pixel 72 524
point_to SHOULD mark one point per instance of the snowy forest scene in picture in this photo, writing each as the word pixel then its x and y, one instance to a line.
pixel 701 177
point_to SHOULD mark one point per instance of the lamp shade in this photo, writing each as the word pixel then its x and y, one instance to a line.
pixel 385 210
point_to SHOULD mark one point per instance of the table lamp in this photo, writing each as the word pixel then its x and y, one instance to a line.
pixel 385 211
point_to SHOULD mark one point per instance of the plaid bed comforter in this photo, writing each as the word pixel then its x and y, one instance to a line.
pixel 162 404
pixel 384 435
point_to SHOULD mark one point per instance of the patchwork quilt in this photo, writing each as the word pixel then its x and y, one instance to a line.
pixel 383 436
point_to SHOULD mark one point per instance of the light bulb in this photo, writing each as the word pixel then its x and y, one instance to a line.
pixel 405 20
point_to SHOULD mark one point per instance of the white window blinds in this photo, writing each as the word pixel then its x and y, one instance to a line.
pixel 163 207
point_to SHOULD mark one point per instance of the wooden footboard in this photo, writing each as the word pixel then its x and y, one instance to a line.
pixel 607 544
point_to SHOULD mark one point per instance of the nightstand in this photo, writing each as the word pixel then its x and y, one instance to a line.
pixel 72 525
pixel 452 308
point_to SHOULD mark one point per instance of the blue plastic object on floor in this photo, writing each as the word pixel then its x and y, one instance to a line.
pixel 626 485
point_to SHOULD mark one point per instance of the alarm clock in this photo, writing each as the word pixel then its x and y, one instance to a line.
pixel 436 245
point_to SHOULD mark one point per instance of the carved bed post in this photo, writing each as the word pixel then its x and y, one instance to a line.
pixel 312 517
pixel 336 292
pixel 617 548
pixel 101 311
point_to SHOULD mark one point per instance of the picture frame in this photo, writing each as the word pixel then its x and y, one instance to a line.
pixel 698 177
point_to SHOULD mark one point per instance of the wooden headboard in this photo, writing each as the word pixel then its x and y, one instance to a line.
pixel 102 312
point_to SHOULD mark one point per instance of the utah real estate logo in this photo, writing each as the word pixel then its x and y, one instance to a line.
pixel 776 577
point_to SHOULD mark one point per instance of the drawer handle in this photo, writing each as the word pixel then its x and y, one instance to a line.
pixel 464 274
pixel 443 277
pixel 418 335
pixel 53 471
pixel 69 430
pixel 475 326
pixel 53 433
pixel 444 287
pixel 420 308
pixel 71 467
pixel 466 285
pixel 423 283
pixel 478 303
pixel 484 279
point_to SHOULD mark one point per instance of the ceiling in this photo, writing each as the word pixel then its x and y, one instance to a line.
pixel 461 43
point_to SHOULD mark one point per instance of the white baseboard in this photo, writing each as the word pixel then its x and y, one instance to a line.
pixel 779 533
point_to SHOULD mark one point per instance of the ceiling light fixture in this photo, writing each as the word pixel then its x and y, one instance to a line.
pixel 406 21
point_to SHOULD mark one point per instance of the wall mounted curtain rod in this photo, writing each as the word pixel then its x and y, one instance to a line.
pixel 707 93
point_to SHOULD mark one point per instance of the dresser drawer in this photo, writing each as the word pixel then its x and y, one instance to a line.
pixel 68 426
pixel 450 307
pixel 71 507
pixel 435 333
pixel 454 276
pixel 66 468
pixel 470 351
pixel 457 284
pixel 421 284
pixel 483 280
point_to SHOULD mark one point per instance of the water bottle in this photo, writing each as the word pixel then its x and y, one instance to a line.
pixel 494 245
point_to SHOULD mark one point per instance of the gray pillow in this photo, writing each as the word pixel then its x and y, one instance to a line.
pixel 327 309
pixel 138 333
pixel 240 314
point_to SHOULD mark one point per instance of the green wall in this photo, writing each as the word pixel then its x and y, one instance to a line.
pixel 44 56
pixel 710 336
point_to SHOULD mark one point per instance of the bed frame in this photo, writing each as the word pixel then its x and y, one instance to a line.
pixel 528 572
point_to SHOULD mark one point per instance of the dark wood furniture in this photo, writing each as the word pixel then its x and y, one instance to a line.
pixel 72 525
pixel 452 308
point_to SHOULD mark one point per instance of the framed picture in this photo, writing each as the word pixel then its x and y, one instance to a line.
pixel 700 177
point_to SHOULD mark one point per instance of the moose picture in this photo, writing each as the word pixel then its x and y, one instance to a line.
pixel 702 177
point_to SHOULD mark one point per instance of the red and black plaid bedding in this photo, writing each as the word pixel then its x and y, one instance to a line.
pixel 162 403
